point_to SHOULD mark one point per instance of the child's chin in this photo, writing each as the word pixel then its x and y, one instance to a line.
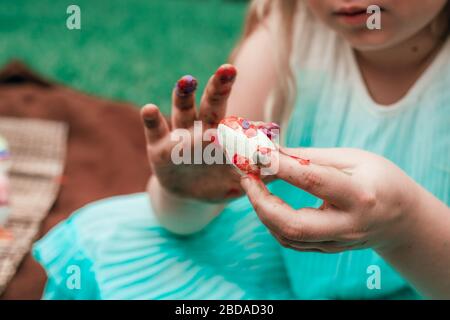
pixel 370 40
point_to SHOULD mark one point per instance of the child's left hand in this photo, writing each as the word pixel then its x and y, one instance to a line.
pixel 368 201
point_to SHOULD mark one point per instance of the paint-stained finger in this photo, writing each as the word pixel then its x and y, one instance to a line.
pixel 183 103
pixel 325 182
pixel 215 96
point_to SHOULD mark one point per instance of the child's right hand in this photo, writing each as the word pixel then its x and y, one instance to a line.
pixel 214 182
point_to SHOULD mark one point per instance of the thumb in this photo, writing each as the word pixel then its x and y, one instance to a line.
pixel 155 125
pixel 324 181
pixel 334 157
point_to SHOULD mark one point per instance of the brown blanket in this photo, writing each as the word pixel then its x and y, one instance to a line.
pixel 105 153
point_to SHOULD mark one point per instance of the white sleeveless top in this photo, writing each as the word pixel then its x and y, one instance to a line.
pixel 334 109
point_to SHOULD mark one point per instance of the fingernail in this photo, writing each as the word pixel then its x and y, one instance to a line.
pixel 151 123
pixel 186 85
pixel 226 73
pixel 245 180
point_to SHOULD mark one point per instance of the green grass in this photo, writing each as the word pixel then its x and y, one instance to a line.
pixel 132 50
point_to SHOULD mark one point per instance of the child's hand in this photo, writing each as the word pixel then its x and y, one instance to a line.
pixel 368 201
pixel 207 182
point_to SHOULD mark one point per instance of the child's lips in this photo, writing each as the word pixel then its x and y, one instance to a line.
pixel 354 15
pixel 353 19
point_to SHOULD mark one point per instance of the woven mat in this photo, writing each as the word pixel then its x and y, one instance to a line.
pixel 38 149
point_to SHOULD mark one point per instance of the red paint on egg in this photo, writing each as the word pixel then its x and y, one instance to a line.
pixel 264 150
pixel 250 133
pixel 243 164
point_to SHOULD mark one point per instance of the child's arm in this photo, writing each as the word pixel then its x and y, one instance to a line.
pixel 424 257
pixel 180 215
pixel 368 203
pixel 257 75
pixel 173 188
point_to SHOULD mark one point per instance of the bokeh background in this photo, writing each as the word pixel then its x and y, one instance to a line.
pixel 130 50
pixel 126 50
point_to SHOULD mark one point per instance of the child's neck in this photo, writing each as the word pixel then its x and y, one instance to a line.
pixel 390 73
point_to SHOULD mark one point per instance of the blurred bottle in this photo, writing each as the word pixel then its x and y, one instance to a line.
pixel 5 164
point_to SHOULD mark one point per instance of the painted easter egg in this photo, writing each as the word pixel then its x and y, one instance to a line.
pixel 247 144
pixel 4 180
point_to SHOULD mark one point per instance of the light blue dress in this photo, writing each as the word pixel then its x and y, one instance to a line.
pixel 115 248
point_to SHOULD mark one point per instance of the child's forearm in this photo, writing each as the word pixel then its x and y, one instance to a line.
pixel 424 258
pixel 180 215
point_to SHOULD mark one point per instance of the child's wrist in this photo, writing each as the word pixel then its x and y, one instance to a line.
pixel 177 214
pixel 155 188
pixel 409 224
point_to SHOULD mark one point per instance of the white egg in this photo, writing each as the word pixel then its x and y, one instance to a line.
pixel 236 142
